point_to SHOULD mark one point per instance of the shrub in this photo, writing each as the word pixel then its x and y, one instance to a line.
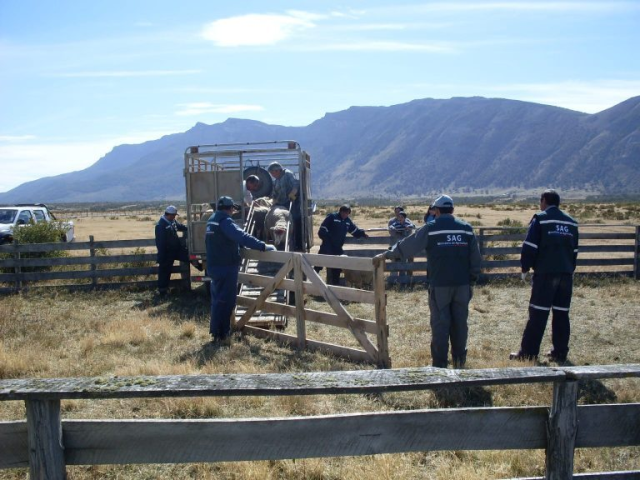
pixel 38 233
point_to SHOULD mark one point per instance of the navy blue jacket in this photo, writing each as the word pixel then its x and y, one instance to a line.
pixel 334 230
pixel 223 240
pixel 167 240
pixel 452 251
pixel 551 245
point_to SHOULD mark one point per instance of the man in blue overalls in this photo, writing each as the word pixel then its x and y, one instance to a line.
pixel 223 241
pixel 551 249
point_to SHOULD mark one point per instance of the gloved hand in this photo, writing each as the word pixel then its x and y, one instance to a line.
pixel 293 196
pixel 524 276
pixel 270 248
pixel 387 255
pixel 365 236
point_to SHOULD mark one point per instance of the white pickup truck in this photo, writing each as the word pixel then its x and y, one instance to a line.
pixel 12 216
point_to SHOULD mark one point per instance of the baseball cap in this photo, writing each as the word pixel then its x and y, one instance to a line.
pixel 443 201
pixel 274 166
pixel 226 202
pixel 171 210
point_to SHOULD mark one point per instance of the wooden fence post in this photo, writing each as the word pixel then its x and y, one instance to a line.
pixel 636 250
pixel 92 267
pixel 298 279
pixel 384 360
pixel 562 428
pixel 17 269
pixel 46 453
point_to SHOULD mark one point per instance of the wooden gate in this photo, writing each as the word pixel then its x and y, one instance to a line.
pixel 298 275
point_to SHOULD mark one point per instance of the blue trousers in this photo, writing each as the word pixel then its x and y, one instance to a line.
pixel 224 291
pixel 165 265
pixel 549 291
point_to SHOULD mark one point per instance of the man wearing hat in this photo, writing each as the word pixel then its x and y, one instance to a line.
pixel 285 194
pixel 223 241
pixel 169 246
pixel 453 266
pixel 333 232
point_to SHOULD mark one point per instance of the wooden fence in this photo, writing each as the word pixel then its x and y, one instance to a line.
pixel 298 275
pixel 46 444
pixel 606 250
pixel 104 264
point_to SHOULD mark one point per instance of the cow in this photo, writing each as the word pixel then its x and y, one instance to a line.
pixel 275 225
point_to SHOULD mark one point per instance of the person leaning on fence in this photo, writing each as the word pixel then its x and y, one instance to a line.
pixel 400 227
pixel 454 264
pixel 551 250
pixel 223 240
pixel 285 194
pixel 333 232
pixel 396 210
pixel 170 247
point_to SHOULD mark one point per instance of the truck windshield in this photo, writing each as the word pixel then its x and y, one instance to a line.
pixel 8 215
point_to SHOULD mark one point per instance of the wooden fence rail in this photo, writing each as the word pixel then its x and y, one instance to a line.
pixel 605 250
pixel 500 250
pixel 46 444
pixel 99 268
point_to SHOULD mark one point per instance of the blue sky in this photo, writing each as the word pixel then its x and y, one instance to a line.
pixel 78 78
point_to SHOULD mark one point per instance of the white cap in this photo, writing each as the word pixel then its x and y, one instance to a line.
pixel 171 210
pixel 443 201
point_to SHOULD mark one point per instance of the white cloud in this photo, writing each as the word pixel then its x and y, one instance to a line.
pixel 125 73
pixel 380 46
pixel 257 29
pixel 16 138
pixel 199 108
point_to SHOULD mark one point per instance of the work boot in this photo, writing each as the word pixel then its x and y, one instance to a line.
pixel 555 358
pixel 522 357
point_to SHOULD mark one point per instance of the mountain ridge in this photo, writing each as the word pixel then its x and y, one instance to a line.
pixel 462 144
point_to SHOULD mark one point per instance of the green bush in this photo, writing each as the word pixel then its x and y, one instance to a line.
pixel 38 233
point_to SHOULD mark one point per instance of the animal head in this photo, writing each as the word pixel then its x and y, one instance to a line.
pixel 278 234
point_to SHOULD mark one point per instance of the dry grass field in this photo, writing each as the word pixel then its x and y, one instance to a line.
pixel 129 333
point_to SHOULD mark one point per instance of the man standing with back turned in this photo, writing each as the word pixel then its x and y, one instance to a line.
pixel 223 241
pixel 453 266
pixel 551 249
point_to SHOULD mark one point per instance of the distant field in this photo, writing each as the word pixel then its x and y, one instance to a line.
pixel 131 333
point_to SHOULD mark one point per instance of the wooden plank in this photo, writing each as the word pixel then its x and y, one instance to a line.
pixel 301 329
pixel 593 372
pixel 372 240
pixel 44 434
pixel 268 290
pixel 306 383
pixel 562 429
pixel 347 353
pixel 82 274
pixel 311 315
pixel 619 475
pixel 334 261
pixel 343 293
pixel 340 310
pixel 608 425
pixel 364 253
pixel 66 261
pixel 14 445
pixel 55 247
pixel 195 441
pixel 606 248
pixel 380 312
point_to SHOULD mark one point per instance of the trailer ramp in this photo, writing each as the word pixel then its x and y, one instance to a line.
pixel 258 267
